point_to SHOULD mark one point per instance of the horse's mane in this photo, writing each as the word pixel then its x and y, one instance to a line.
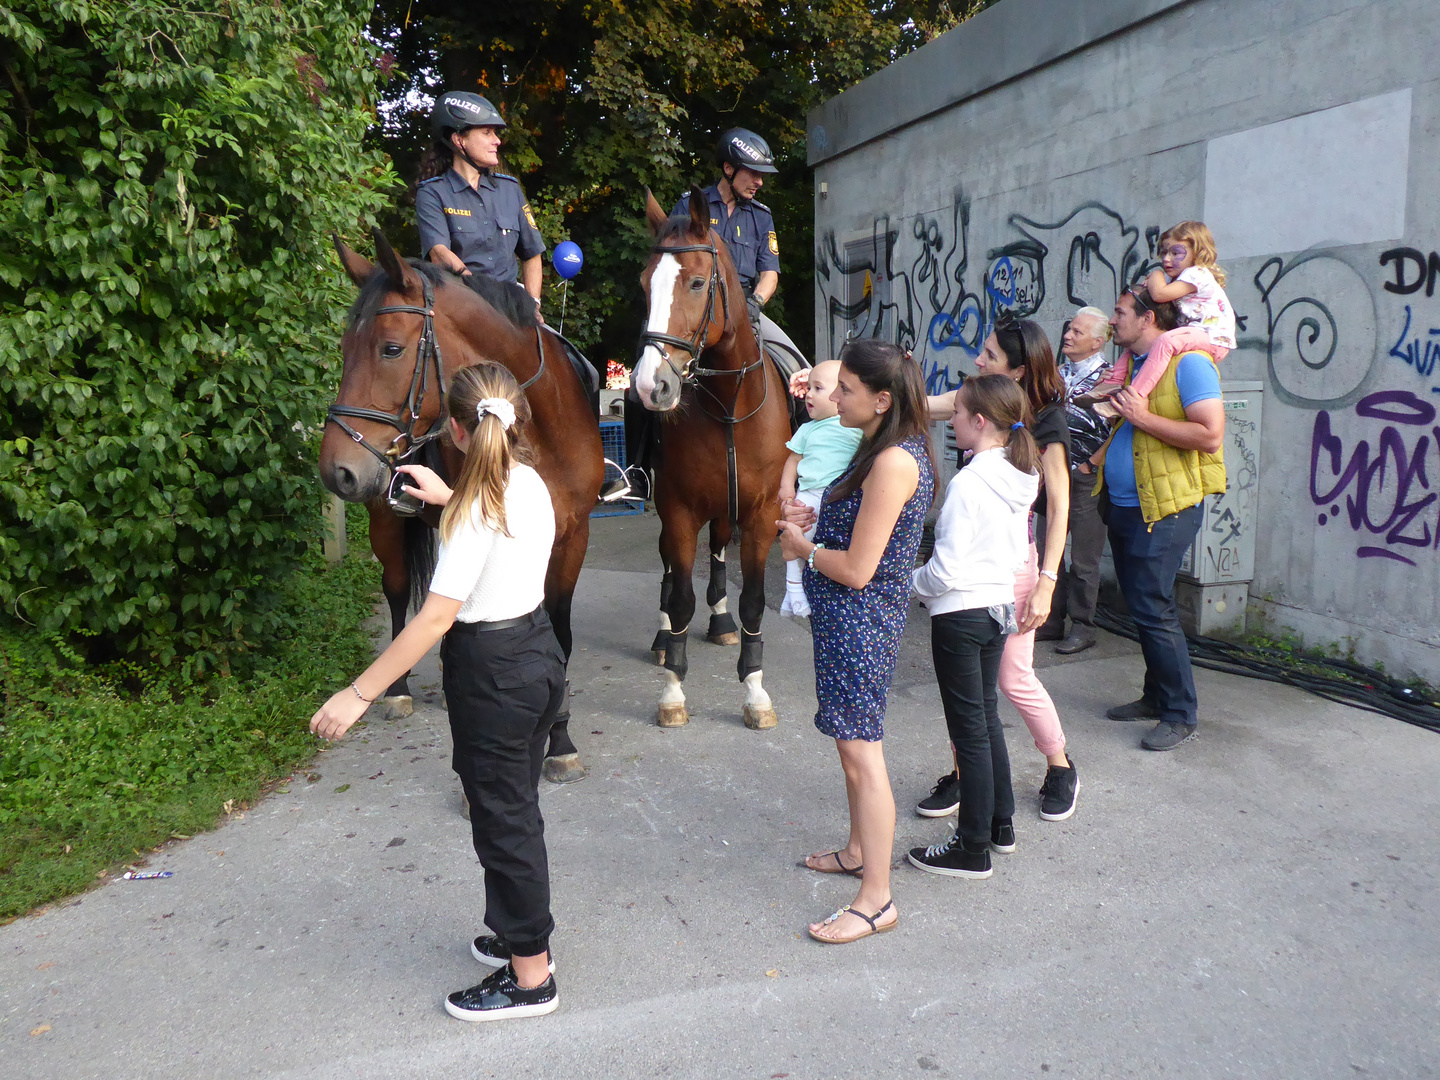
pixel 509 300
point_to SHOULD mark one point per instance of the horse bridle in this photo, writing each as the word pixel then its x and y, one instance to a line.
pixel 692 373
pixel 427 358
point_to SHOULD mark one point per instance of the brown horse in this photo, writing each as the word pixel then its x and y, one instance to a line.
pixel 726 417
pixel 411 328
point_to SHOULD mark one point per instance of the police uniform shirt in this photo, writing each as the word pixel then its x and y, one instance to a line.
pixel 490 229
pixel 749 233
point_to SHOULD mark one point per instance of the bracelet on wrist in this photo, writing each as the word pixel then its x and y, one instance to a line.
pixel 361 696
pixel 810 561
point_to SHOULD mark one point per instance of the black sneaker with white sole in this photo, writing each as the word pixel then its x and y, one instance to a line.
pixel 953 859
pixel 1002 837
pixel 1057 793
pixel 944 798
pixel 500 997
pixel 490 950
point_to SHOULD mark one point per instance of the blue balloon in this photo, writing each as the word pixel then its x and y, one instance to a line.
pixel 567 259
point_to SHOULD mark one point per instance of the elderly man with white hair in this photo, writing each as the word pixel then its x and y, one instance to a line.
pixel 1084 364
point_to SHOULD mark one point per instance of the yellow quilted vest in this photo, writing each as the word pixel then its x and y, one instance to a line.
pixel 1170 479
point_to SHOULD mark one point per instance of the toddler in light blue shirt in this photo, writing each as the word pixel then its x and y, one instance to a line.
pixel 819 452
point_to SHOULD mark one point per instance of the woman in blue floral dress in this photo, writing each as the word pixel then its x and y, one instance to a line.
pixel 858 580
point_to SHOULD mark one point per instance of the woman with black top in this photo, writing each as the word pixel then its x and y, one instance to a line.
pixel 1020 350
pixel 504 678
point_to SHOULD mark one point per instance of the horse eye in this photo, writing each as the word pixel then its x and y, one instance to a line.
pixel 696 284
pixel 392 350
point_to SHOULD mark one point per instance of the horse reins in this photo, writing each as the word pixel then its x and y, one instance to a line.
pixel 427 357
pixel 692 373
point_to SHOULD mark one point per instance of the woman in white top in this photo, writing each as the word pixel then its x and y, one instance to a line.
pixel 504 678
pixel 968 584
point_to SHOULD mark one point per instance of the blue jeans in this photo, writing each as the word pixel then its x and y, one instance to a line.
pixel 1146 562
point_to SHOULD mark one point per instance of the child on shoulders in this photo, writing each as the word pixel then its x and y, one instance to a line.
pixel 1191 278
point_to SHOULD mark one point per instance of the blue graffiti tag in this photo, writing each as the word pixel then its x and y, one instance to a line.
pixel 1422 354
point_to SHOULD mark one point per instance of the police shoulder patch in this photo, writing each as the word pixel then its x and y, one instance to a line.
pixel 530 217
pixel 774 244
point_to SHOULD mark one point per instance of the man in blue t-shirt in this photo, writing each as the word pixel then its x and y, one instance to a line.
pixel 1148 553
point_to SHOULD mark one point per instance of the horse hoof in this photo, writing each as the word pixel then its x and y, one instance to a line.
pixel 398 707
pixel 564 769
pixel 724 639
pixel 673 716
pixel 659 657
pixel 760 719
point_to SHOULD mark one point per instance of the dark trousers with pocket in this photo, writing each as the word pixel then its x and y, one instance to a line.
pixel 504 689
pixel 966 647
pixel 1147 558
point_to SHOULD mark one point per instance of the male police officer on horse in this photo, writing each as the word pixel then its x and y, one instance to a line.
pixel 748 229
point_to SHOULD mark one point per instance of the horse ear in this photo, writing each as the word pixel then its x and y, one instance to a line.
pixel 654 212
pixel 402 276
pixel 356 265
pixel 699 210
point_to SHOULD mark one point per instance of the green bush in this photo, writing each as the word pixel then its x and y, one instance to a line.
pixel 170 307
pixel 97 764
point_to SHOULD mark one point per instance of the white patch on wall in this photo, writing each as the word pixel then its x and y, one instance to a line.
pixel 1338 176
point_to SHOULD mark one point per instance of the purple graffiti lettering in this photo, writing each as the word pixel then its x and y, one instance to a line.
pixel 1389 494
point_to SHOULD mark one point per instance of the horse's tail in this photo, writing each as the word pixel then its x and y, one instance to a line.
pixel 420 557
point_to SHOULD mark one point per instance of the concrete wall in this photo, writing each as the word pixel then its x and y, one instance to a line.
pixel 1001 169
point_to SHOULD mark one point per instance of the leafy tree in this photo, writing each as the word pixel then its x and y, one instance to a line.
pixel 170 173
pixel 607 97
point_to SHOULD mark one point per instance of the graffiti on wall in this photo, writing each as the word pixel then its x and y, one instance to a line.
pixel 1093 250
pixel 1382 489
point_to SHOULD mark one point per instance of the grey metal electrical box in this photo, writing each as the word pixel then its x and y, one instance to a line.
pixel 1213 587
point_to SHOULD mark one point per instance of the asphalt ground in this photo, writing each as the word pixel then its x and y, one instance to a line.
pixel 1258 903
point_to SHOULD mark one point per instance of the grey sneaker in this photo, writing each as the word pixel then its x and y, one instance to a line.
pixel 1139 709
pixel 1167 735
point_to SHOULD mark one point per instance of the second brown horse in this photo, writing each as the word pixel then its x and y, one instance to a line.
pixel 725 419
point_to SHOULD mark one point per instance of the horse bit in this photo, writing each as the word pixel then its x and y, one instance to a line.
pixel 427 356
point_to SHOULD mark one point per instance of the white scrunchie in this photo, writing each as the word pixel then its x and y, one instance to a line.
pixel 500 408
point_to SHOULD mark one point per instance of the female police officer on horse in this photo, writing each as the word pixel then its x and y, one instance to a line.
pixel 472 219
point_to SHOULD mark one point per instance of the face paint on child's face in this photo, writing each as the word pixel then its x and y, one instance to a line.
pixel 1175 257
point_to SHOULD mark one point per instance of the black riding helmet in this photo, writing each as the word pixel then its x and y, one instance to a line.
pixel 456 110
pixel 744 149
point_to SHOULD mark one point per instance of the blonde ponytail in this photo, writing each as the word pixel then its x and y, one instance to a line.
pixel 493 450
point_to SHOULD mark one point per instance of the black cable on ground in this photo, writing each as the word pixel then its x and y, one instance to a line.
pixel 1342 681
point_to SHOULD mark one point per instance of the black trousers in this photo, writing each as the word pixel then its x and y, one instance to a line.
pixel 966 647
pixel 504 689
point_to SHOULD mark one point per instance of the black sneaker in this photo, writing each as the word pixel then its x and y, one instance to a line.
pixel 500 997
pixel 944 798
pixel 1139 709
pixel 953 859
pixel 1002 837
pixel 1057 793
pixel 490 950
pixel 1167 735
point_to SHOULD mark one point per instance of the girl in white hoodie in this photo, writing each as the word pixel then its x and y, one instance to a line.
pixel 969 587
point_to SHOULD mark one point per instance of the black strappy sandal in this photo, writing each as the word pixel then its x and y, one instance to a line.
pixel 840 867
pixel 869 919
